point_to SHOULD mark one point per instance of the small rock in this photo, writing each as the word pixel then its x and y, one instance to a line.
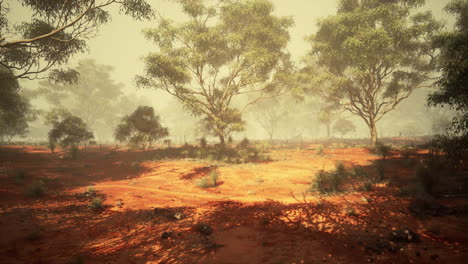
pixel 179 216
pixel 404 235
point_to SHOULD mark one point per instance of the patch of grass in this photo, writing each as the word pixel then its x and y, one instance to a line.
pixel 214 177
pixel 203 183
pixel 380 167
pixel 366 187
pixel 327 181
pixel 351 212
pixel 359 172
pixel 96 204
pixel 90 190
pixel 37 189
pixel 319 151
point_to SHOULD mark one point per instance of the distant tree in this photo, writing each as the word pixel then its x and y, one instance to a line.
pixel 69 133
pixel 141 128
pixel 375 53
pixel 94 98
pixel 15 110
pixel 228 50
pixel 54 32
pixel 344 126
pixel 452 63
pixel 326 116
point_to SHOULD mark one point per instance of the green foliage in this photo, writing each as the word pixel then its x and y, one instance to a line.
pixel 141 128
pixel 319 151
pixel 37 189
pixel 386 41
pixel 430 173
pixel 203 183
pixel 70 132
pixel 15 109
pixel 244 143
pixel 381 150
pixel 215 57
pixel 452 63
pixel 329 182
pixel 90 190
pixel 454 147
pixel 96 204
pixel 380 167
pixel 359 172
pixel 54 32
pixel 214 177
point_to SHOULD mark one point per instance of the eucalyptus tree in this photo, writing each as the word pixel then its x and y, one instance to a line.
pixel 226 50
pixel 374 54
pixel 54 32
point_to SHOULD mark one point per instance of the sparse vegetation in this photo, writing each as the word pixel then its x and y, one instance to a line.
pixel 96 204
pixel 319 151
pixel 37 189
pixel 329 182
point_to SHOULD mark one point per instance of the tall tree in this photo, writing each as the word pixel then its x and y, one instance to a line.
pixel 15 109
pixel 344 126
pixel 452 63
pixel 141 128
pixel 375 54
pixel 54 32
pixel 224 51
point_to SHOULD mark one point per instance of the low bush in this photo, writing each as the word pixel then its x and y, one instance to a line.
pixel 96 204
pixel 380 167
pixel 381 150
pixel 319 151
pixel 359 172
pixel 429 173
pixel 329 181
pixel 203 183
pixel 214 177
pixel 37 189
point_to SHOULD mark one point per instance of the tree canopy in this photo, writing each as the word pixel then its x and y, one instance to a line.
pixel 15 110
pixel 452 63
pixel 54 32
pixel 141 128
pixel 226 50
pixel 374 54
pixel 69 133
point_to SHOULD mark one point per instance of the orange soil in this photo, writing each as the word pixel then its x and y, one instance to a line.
pixel 258 212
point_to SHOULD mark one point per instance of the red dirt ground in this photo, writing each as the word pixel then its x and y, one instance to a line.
pixel 258 212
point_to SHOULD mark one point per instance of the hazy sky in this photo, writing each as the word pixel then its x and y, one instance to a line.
pixel 120 43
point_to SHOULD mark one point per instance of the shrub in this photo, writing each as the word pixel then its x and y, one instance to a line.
pixel 328 182
pixel 96 203
pixel 90 190
pixel 37 189
pixel 359 172
pixel 244 143
pixel 203 142
pixel 34 235
pixel 382 150
pixel 214 177
pixel 429 172
pixel 203 183
pixel 351 211
pixel 367 187
pixel 380 167
pixel 319 151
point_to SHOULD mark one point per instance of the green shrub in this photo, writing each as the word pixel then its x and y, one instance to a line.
pixel 327 182
pixel 429 173
pixel 359 172
pixel 37 189
pixel 382 150
pixel 90 190
pixel 244 143
pixel 214 177
pixel 203 183
pixel 96 203
pixel 319 151
pixel 380 167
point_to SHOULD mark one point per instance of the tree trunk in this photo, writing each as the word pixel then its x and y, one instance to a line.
pixel 221 140
pixel 328 130
pixel 373 133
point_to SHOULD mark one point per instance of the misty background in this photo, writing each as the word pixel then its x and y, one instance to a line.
pixel 115 56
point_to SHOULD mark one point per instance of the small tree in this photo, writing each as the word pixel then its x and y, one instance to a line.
pixel 69 133
pixel 344 126
pixel 141 128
